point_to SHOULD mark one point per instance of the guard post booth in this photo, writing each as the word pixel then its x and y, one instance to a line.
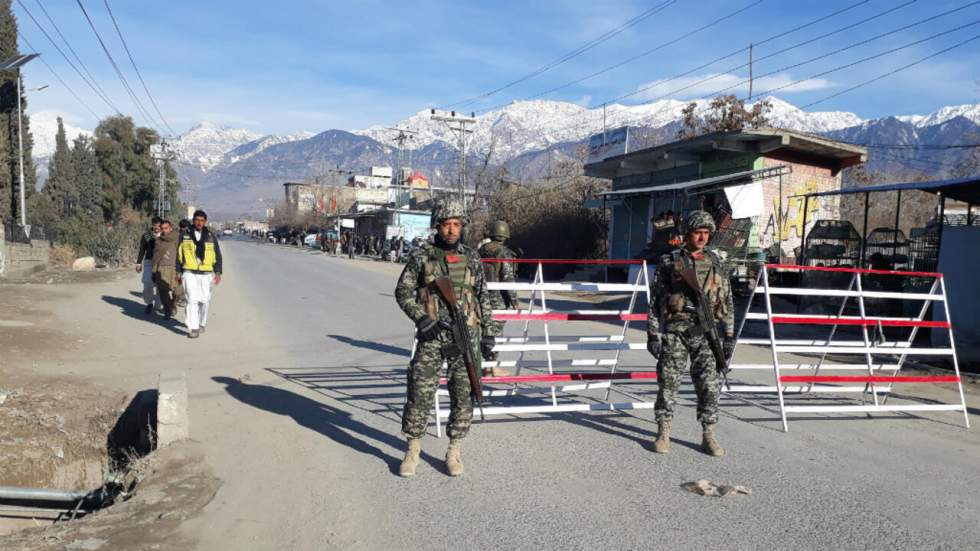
pixel 754 182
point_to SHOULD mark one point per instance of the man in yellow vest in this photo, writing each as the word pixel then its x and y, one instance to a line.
pixel 199 258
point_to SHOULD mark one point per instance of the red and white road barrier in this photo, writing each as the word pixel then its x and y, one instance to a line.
pixel 879 376
pixel 546 344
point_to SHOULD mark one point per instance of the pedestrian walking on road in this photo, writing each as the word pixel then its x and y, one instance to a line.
pixel 199 257
pixel 144 263
pixel 496 248
pixel 165 266
pixel 448 257
pixel 675 337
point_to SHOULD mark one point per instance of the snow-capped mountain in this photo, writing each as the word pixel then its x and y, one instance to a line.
pixel 969 111
pixel 206 144
pixel 254 147
pixel 525 126
pixel 44 128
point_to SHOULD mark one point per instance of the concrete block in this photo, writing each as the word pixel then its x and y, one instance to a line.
pixel 172 420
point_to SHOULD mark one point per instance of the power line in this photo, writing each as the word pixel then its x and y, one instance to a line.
pixel 570 55
pixel 96 89
pixel 646 53
pixel 119 73
pixel 876 56
pixel 756 60
pixel 854 45
pixel 138 74
pixel 68 45
pixel 896 70
pixel 57 76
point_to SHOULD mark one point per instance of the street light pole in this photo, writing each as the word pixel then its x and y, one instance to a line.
pixel 20 147
pixel 14 64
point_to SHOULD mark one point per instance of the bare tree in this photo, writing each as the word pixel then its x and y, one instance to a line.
pixel 725 113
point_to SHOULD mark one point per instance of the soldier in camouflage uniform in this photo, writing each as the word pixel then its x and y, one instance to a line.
pixel 498 232
pixel 674 337
pixel 445 256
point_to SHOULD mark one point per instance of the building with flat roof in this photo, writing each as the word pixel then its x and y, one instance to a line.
pixel 753 181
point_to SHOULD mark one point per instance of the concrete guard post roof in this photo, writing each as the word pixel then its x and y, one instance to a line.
pixel 966 190
pixel 756 140
pixel 690 185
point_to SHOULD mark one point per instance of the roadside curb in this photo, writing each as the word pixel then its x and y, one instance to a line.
pixel 172 421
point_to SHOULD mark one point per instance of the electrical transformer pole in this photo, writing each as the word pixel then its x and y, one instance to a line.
pixel 457 125
pixel 162 186
pixel 402 137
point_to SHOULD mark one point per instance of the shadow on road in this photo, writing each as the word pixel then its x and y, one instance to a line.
pixel 135 309
pixel 318 417
pixel 372 345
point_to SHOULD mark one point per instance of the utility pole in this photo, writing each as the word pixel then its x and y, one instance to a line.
pixel 457 125
pixel 164 157
pixel 402 137
pixel 750 72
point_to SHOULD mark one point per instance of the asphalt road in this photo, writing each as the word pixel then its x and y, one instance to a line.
pixel 296 391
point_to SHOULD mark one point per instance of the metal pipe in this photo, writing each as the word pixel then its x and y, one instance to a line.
pixel 806 205
pixel 41 494
pixel 898 209
pixel 942 222
pixel 864 237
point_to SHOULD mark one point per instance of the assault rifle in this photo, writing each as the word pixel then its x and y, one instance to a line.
pixel 706 320
pixel 461 337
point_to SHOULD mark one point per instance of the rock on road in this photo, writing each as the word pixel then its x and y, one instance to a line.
pixel 296 391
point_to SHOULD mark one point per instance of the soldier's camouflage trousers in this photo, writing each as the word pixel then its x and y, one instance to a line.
pixel 679 349
pixel 423 381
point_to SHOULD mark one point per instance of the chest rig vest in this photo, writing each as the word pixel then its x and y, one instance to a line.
pixel 680 300
pixel 452 264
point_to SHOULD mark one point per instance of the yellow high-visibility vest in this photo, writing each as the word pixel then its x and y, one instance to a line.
pixel 188 260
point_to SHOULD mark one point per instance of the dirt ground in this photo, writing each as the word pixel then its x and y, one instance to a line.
pixel 176 483
pixel 54 427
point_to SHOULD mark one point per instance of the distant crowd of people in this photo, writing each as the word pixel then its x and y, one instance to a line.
pixel 180 266
pixel 390 250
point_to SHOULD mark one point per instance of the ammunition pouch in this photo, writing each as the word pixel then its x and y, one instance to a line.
pixel 451 350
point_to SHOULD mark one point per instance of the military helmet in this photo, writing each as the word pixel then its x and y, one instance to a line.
pixel 499 230
pixel 446 209
pixel 699 219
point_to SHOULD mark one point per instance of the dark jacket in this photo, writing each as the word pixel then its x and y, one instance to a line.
pixel 146 247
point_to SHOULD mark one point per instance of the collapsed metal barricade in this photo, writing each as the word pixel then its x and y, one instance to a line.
pixel 878 376
pixel 553 372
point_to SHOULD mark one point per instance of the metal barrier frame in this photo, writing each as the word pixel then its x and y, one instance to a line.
pixel 867 347
pixel 538 311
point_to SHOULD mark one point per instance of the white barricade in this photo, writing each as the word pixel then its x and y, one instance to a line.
pixel 878 376
pixel 544 370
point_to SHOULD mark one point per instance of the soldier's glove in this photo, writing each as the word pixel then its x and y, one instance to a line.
pixel 486 347
pixel 428 328
pixel 728 347
pixel 654 344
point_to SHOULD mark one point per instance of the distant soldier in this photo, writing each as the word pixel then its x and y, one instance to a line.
pixel 675 338
pixel 445 256
pixel 499 233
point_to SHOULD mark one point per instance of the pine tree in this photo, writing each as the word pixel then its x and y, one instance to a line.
pixel 60 186
pixel 9 147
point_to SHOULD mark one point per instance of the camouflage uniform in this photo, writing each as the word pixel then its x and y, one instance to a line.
pixel 497 272
pixel 671 315
pixel 418 298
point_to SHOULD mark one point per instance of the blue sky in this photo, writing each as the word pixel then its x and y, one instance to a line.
pixel 292 65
